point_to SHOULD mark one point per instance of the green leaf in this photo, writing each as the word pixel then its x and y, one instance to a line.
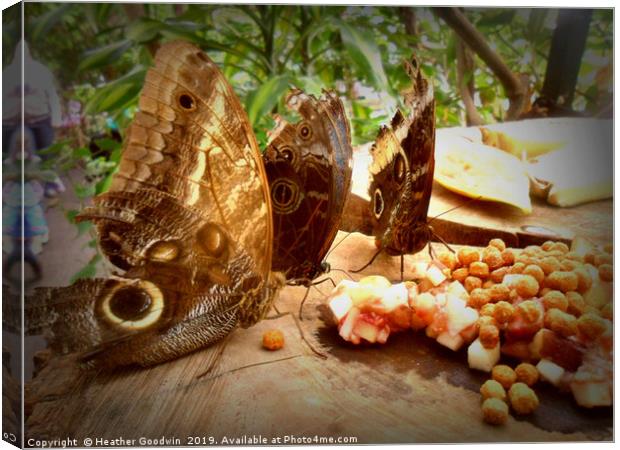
pixel 262 100
pixel 81 152
pixel 103 185
pixel 117 94
pixel 84 191
pixel 365 55
pixel 71 214
pixel 83 227
pixel 46 22
pixel 103 56
pixel 143 30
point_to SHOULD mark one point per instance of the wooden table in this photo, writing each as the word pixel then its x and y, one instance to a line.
pixel 409 390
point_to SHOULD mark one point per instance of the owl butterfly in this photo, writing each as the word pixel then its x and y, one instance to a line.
pixel 401 171
pixel 187 217
pixel 308 165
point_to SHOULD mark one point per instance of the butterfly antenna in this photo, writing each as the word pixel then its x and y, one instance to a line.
pixel 345 272
pixel 337 244
pixel 368 263
pixel 455 207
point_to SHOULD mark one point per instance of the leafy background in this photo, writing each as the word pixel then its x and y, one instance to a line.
pixel 100 52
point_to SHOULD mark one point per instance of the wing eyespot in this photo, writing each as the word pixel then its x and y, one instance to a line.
pixel 304 131
pixel 378 205
pixel 400 168
pixel 212 240
pixel 187 101
pixel 285 196
pixel 133 306
pixel 163 251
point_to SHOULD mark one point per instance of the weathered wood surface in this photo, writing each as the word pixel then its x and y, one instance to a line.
pixel 409 390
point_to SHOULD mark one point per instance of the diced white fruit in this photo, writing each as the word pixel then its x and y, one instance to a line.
pixel 452 341
pixel 395 296
pixel 340 305
pixel 347 326
pixel 457 289
pixel 592 393
pixel 580 245
pixel 481 358
pixel 375 281
pixel 460 316
pixel 435 275
pixel 441 299
pixel 343 286
pixel 366 331
pixel 550 371
pixel 418 270
pixel 383 335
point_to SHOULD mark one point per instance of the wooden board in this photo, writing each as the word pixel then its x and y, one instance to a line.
pixel 410 390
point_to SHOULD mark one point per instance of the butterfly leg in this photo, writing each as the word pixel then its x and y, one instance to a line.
pixel 301 305
pixel 442 240
pixel 368 263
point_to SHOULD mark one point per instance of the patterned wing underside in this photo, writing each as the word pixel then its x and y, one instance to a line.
pixel 402 171
pixel 309 177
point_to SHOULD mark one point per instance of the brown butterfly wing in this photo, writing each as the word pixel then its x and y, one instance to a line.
pixel 403 162
pixel 187 216
pixel 308 165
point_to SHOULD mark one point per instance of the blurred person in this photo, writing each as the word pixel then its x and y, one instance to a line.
pixel 42 111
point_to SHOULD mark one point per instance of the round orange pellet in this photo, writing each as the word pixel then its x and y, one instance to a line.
pixel 273 340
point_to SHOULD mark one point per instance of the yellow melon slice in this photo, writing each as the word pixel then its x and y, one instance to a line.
pixel 480 171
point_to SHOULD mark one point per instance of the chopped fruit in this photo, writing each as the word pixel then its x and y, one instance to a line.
pixel 564 352
pixel 425 307
pixel 516 269
pixel 494 411
pixel 530 311
pixel 523 399
pixel 492 389
pixel 560 246
pixel 468 255
pixel 606 272
pixel 526 286
pixel 527 373
pixel 481 358
pixel 435 275
pixel 603 258
pixel 394 296
pixel 346 328
pixel 504 375
pixel 550 372
pixel 340 305
pixel 418 270
pixel 400 318
pixel 479 269
pixel 459 316
pixel 608 311
pixel 592 393
pixel 455 288
pixel 598 295
pixel 521 328
pixel 562 281
pixel 517 349
pixel 377 281
pixel 453 342
pixel 273 340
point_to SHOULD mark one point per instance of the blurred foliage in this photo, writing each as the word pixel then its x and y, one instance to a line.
pixel 100 53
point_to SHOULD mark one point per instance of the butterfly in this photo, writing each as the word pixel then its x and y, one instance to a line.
pixel 308 165
pixel 401 172
pixel 187 218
